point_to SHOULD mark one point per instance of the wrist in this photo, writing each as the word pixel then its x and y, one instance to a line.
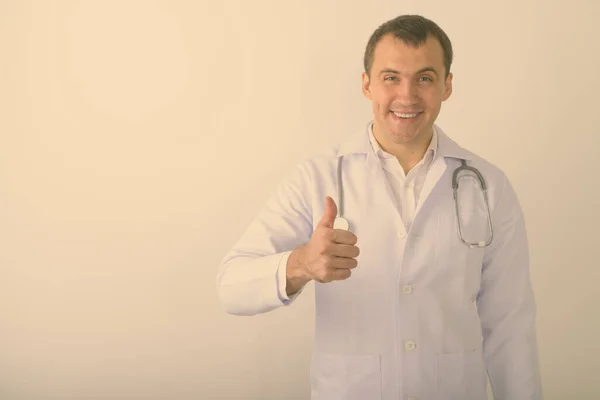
pixel 296 276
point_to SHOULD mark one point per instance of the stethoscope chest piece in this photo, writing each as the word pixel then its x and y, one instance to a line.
pixel 341 223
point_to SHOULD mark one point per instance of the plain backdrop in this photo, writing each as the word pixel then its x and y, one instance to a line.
pixel 138 139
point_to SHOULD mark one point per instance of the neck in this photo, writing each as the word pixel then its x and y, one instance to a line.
pixel 408 154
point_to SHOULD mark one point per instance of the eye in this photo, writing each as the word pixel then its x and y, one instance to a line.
pixel 390 78
pixel 425 79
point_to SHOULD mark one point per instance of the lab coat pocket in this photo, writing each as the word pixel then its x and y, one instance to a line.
pixel 461 376
pixel 345 377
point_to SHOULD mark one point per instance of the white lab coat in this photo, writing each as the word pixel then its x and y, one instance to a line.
pixel 423 316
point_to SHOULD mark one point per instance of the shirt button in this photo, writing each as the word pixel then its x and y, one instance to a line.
pixel 410 345
pixel 412 398
pixel 401 235
pixel 407 289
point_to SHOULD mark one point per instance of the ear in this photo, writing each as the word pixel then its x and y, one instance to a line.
pixel 366 85
pixel 447 87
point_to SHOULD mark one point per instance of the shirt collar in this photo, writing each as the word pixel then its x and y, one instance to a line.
pixel 384 155
pixel 442 145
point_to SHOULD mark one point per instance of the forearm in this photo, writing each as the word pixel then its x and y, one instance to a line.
pixel 296 278
pixel 510 351
pixel 253 275
pixel 247 285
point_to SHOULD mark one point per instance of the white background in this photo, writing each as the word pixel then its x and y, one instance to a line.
pixel 139 138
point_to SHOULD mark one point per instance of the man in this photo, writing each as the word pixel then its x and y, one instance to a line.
pixel 405 307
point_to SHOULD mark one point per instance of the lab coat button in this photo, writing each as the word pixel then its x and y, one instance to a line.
pixel 407 289
pixel 410 345
pixel 401 235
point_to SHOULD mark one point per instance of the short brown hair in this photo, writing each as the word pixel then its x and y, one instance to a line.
pixel 413 30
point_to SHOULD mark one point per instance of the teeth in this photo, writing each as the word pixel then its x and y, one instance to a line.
pixel 401 115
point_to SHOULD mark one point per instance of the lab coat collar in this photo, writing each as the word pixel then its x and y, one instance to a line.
pixel 360 144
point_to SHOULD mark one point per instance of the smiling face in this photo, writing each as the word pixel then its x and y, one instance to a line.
pixel 406 86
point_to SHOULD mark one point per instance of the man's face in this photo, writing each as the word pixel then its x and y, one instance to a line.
pixel 407 86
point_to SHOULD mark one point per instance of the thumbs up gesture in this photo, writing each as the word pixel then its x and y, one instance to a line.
pixel 329 255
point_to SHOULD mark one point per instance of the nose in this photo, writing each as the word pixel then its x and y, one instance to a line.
pixel 407 92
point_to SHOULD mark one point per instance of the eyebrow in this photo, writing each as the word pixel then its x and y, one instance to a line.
pixel 393 71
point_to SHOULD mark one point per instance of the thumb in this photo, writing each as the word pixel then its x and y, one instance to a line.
pixel 330 213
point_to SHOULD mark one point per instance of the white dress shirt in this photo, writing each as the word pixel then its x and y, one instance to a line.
pixel 406 188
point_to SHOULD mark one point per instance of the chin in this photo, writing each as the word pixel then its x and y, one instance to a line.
pixel 402 135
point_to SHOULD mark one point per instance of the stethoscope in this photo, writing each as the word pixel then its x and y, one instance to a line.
pixel 342 223
pixel 483 187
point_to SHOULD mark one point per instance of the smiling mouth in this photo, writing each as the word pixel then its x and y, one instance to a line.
pixel 407 115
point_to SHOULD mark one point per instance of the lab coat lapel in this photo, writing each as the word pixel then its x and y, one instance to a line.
pixel 446 148
pixel 360 144
pixel 433 176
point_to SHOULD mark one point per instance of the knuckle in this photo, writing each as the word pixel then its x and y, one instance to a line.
pixel 327 260
pixel 327 235
pixel 324 275
pixel 329 248
pixel 322 248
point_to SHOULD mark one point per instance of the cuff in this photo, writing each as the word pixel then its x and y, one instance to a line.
pixel 281 278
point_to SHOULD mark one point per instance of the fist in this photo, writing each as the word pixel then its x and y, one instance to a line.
pixel 331 253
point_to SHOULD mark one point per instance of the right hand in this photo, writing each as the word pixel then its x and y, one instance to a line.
pixel 330 254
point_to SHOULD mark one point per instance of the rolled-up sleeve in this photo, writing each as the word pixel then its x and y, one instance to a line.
pixel 251 278
pixel 507 306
